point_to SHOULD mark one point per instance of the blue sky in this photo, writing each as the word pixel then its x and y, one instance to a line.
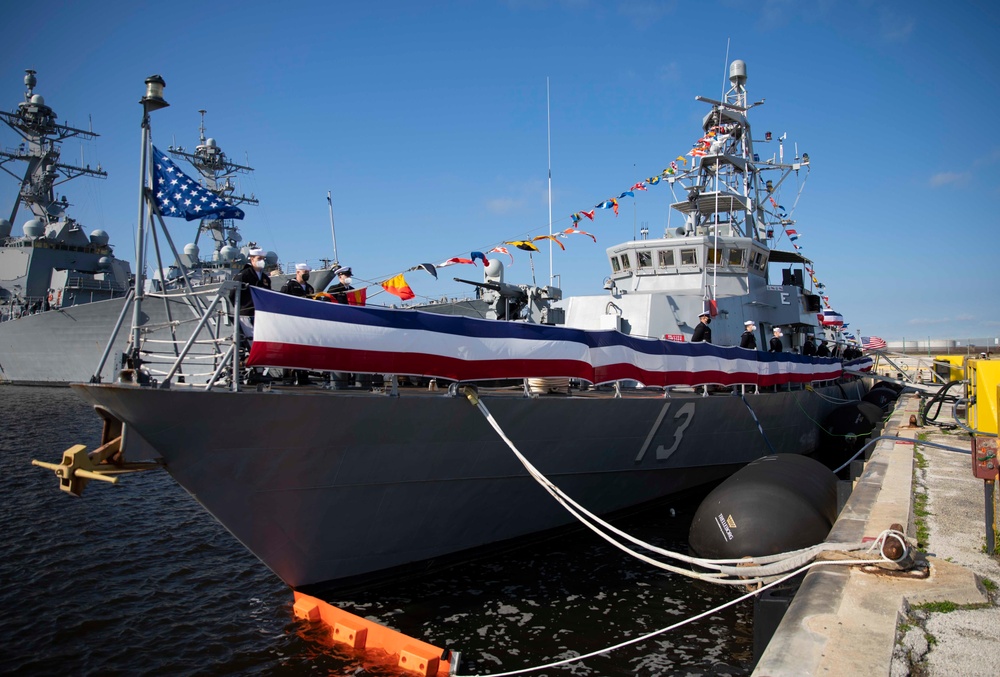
pixel 427 122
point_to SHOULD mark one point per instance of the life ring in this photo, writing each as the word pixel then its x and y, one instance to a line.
pixel 323 296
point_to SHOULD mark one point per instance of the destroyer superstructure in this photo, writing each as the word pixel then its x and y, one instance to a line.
pixel 53 262
pixel 63 291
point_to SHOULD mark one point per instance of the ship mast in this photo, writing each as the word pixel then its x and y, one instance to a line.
pixel 217 171
pixel 36 123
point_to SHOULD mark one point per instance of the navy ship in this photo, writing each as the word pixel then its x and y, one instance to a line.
pixel 606 396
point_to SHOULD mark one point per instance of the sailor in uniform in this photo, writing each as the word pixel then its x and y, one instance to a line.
pixel 252 275
pixel 748 340
pixel 299 285
pixel 775 344
pixel 809 347
pixel 702 331
pixel 823 350
pixel 343 285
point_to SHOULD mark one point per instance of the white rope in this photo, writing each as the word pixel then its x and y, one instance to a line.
pixel 649 635
pixel 829 398
pixel 755 570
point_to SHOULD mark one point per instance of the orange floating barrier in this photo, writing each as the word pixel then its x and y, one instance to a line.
pixel 360 633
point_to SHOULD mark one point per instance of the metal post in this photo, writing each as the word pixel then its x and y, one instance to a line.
pixel 152 100
pixel 990 533
pixel 236 339
pixel 96 378
pixel 140 238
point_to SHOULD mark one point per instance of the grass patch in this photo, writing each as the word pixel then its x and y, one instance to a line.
pixel 989 584
pixel 937 607
pixel 920 511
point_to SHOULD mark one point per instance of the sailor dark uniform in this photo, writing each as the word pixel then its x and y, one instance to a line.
pixel 249 277
pixel 823 351
pixel 809 348
pixel 339 292
pixel 776 345
pixel 294 288
pixel 748 340
pixel 702 333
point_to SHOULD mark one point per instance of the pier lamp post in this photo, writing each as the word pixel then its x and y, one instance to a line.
pixel 152 100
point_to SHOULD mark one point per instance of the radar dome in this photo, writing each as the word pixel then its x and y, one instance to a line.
pixel 271 258
pixel 104 263
pixel 38 99
pixel 191 251
pixel 228 253
pixel 4 228
pixel 738 72
pixel 494 270
pixel 210 142
pixel 99 238
pixel 33 228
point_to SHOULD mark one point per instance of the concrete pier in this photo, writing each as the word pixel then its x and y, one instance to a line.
pixel 845 620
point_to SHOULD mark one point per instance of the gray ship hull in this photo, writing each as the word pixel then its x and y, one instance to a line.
pixel 329 487
pixel 64 345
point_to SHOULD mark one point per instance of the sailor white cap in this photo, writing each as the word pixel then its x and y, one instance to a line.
pixel 343 270
pixel 302 266
pixel 748 323
pixel 704 313
pixel 256 251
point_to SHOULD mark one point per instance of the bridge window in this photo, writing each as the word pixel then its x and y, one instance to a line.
pixel 615 266
pixel 626 263
pixel 689 257
pixel 645 259
pixel 665 258
pixel 714 256
pixel 737 257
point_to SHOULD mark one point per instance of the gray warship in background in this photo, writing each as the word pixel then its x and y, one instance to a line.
pixel 63 291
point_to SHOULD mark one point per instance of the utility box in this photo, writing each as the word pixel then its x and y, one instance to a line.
pixel 984 386
pixel 984 458
pixel 949 367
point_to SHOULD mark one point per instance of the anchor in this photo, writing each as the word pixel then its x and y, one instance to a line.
pixel 105 463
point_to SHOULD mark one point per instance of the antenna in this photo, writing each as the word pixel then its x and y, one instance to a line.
pixel 725 71
pixel 329 201
pixel 548 127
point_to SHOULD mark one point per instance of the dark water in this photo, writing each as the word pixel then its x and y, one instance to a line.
pixel 138 578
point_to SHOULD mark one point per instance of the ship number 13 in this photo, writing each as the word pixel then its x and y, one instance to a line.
pixel 683 420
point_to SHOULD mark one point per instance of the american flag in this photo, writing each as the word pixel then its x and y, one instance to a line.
pixel 179 195
pixel 872 343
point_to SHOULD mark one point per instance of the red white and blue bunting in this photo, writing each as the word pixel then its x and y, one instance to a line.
pixel 299 333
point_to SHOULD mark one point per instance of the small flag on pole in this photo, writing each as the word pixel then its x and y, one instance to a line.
pixel 873 343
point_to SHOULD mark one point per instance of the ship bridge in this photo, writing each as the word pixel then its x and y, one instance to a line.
pixel 687 264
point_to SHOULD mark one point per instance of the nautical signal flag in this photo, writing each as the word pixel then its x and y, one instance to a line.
pixel 177 194
pixel 502 250
pixel 429 267
pixel 549 237
pixel 873 343
pixel 577 231
pixel 453 260
pixel 397 286
pixel 356 297
pixel 523 244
